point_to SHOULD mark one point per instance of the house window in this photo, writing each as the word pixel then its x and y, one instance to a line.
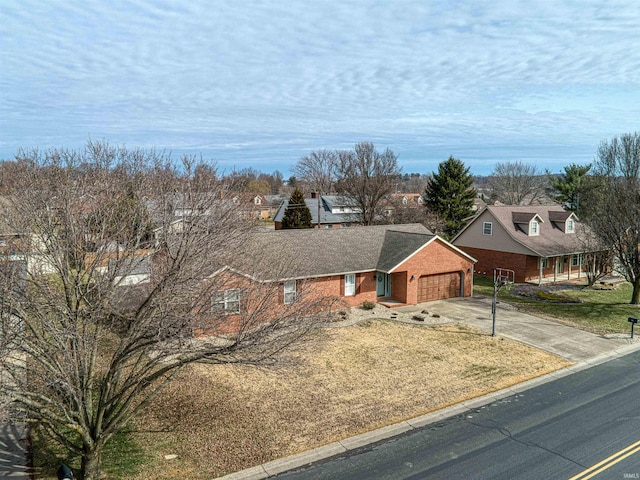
pixel 405 200
pixel 534 228
pixel 544 262
pixel 257 200
pixel 289 292
pixel 575 260
pixel 487 228
pixel 226 301
pixel 570 226
pixel 350 285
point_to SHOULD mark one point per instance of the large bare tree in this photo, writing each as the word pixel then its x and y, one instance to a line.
pixel 365 177
pixel 517 183
pixel 120 266
pixel 612 203
pixel 318 170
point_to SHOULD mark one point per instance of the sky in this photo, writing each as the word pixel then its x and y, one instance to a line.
pixel 260 84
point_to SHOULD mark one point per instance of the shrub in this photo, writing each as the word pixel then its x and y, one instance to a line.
pixel 367 305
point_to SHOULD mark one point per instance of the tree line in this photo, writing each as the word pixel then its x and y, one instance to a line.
pixel 98 353
pixel 604 194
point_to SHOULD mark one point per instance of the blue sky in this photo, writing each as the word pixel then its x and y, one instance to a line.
pixel 261 83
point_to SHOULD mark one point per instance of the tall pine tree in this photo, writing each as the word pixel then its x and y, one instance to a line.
pixel 297 214
pixel 568 186
pixel 449 195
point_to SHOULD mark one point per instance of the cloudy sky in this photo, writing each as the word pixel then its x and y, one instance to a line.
pixel 261 83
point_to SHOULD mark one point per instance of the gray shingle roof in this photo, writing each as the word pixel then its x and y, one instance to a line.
pixel 552 240
pixel 306 253
pixel 326 215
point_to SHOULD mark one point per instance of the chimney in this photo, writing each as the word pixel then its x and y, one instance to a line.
pixel 314 194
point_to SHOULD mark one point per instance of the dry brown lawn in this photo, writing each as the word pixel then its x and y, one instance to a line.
pixel 220 419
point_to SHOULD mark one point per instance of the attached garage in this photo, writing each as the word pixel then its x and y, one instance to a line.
pixel 439 286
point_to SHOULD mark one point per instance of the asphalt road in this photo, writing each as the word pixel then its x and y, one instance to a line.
pixel 585 425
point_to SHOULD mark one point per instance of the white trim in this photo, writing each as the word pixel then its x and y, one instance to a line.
pixel 290 293
pixel 350 286
pixel 223 300
pixel 446 244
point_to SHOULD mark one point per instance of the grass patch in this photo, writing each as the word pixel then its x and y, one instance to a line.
pixel 595 310
pixel 221 418
pixel 123 457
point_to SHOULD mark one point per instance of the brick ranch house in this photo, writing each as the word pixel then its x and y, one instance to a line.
pixel 389 264
pixel 539 242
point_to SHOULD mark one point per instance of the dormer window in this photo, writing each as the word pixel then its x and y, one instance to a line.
pixel 534 228
pixel 571 226
pixel 257 200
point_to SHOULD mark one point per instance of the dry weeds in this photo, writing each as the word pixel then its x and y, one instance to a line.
pixel 219 419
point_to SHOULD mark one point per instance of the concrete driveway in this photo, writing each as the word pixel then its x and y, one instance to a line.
pixel 14 451
pixel 568 342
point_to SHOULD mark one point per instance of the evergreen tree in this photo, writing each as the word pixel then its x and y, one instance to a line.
pixel 449 195
pixel 297 214
pixel 569 185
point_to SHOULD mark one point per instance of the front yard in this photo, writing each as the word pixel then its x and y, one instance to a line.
pixel 218 419
pixel 601 311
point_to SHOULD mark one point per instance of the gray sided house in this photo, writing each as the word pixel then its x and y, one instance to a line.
pixel 538 242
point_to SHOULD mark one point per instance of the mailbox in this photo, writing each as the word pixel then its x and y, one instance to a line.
pixel 64 473
pixel 633 322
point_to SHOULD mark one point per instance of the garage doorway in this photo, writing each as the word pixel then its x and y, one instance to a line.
pixel 440 286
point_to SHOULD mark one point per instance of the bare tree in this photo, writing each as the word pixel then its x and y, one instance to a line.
pixel 318 170
pixel 612 204
pixel 103 314
pixel 366 176
pixel 517 183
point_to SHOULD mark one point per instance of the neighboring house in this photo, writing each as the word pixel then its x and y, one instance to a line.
pixel 389 264
pixel 327 211
pixel 253 206
pixel 537 242
pixel 131 271
pixel 401 200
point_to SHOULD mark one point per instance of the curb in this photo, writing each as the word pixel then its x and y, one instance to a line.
pixel 281 465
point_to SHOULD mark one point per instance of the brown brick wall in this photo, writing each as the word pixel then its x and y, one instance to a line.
pixel 488 260
pixel 435 258
pixel 334 286
pixel 525 266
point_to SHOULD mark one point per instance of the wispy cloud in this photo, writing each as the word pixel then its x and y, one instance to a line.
pixel 238 76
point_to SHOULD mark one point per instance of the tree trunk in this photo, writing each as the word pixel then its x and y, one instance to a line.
pixel 90 464
pixel 635 296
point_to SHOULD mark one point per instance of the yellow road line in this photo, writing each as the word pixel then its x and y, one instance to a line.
pixel 607 462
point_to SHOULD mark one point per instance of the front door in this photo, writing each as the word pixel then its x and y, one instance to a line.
pixel 383 284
